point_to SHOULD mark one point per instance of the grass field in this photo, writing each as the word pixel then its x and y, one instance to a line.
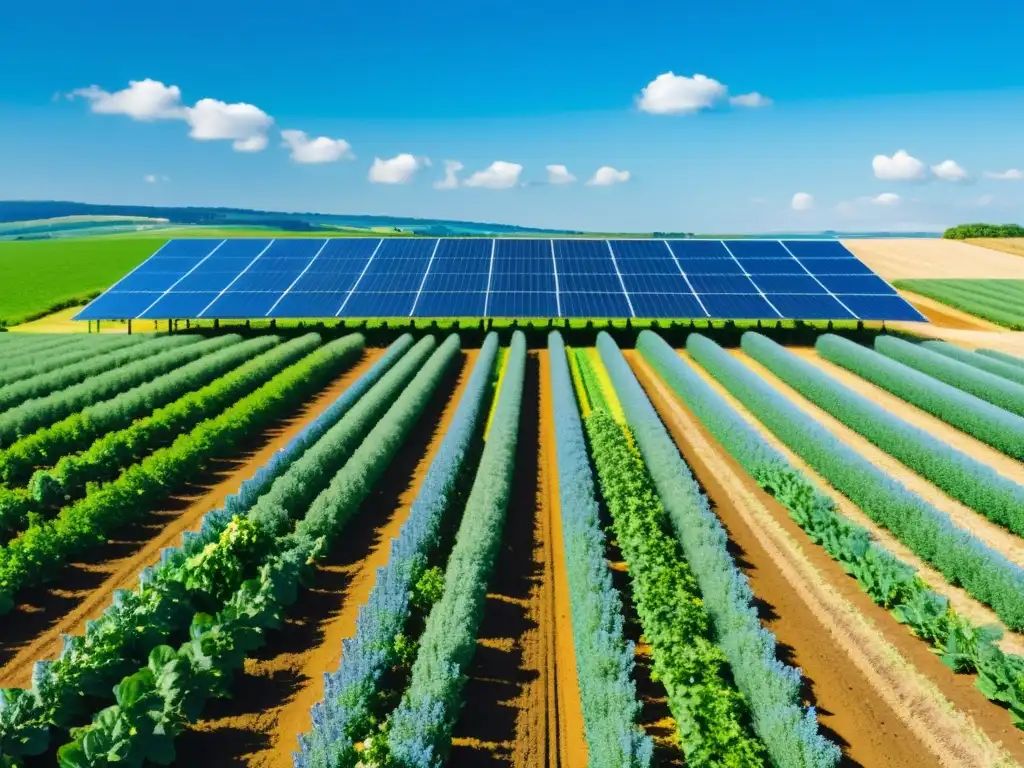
pixel 41 276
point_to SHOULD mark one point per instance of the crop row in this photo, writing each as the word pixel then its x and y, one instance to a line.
pixel 204 665
pixel 711 716
pixel 964 478
pixel 228 549
pixel 987 386
pixel 23 349
pixel 986 574
pixel 68 478
pixel 1003 357
pixel 35 555
pixel 994 426
pixel 604 658
pixel 1007 370
pixel 419 730
pixel 889 582
pixel 79 430
pixel 972 297
pixel 39 362
pixel 788 731
pixel 45 383
pixel 30 415
pixel 352 701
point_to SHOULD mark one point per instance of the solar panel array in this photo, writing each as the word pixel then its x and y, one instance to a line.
pixel 463 277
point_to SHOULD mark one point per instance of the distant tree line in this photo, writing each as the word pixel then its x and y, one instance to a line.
pixel 964 231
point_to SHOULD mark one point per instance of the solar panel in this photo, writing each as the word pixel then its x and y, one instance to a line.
pixel 478 277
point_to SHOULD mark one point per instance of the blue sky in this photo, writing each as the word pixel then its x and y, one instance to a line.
pixel 525 85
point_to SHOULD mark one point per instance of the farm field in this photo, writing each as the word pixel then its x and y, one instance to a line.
pixel 999 301
pixel 1014 245
pixel 277 550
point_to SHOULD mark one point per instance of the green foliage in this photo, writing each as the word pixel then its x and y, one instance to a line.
pixel 38 552
pixel 964 231
pixel 428 588
pixel 40 362
pixel 1009 370
pixel 889 582
pixel 788 731
pixel 77 431
pixel 958 474
pixel 50 274
pixel 987 386
pixel 998 301
pixel 710 713
pixel 108 455
pixel 965 561
pixel 1003 357
pixel 420 728
pixel 988 423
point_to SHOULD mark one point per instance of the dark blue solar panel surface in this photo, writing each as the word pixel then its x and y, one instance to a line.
pixel 477 277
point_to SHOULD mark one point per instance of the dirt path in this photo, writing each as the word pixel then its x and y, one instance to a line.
pixel 891 702
pixel 1005 542
pixel 260 724
pixel 1007 467
pixel 571 737
pixel 946 316
pixel 511 715
pixel 85 588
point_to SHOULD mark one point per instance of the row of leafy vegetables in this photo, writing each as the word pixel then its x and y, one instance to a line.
pixel 890 582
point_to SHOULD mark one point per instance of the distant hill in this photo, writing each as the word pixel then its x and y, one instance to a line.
pixel 36 210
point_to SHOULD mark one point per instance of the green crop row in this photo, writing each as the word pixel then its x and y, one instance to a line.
pixel 889 582
pixel 229 549
pixel 38 552
pixel 102 461
pixel 710 714
pixel 996 390
pixel 1008 371
pixel 77 431
pixel 45 383
pixel 178 683
pixel 419 730
pixel 44 362
pixel 967 296
pixel 604 658
pixel 994 426
pixel 986 574
pixel 30 415
pixel 964 478
pixel 994 354
pixel 788 731
pixel 25 348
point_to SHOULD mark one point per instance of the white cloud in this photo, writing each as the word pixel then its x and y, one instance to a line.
pixel 802 201
pixel 149 178
pixel 752 100
pixel 451 175
pixel 396 170
pixel 887 198
pixel 209 120
pixel 318 150
pixel 142 100
pixel 985 200
pixel 948 170
pixel 498 175
pixel 605 176
pixel 244 124
pixel 1011 174
pixel 669 94
pixel 900 167
pixel 559 174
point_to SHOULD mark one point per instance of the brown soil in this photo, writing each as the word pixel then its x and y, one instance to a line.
pixel 898 689
pixel 510 714
pixel 84 589
pixel 961 602
pixel 260 725
pixel 566 706
pixel 1009 544
pixel 947 317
